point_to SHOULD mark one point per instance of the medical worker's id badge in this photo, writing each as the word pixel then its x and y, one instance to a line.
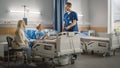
pixel 70 22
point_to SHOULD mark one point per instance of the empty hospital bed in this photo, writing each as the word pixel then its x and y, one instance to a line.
pixel 62 49
pixel 100 44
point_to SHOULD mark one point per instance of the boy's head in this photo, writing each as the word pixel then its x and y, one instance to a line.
pixel 39 27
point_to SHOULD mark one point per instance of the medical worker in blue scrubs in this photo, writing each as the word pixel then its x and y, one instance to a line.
pixel 40 33
pixel 70 19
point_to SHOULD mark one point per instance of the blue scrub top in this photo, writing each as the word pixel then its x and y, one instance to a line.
pixel 68 19
pixel 41 34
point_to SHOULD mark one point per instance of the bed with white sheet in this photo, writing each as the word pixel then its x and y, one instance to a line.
pixel 63 49
pixel 100 44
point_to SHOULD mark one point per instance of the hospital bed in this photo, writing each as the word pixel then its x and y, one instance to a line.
pixel 106 46
pixel 61 50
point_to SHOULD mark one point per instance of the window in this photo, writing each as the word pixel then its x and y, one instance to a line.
pixel 114 13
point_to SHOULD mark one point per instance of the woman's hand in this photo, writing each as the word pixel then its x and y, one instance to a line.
pixel 34 41
pixel 46 35
pixel 38 38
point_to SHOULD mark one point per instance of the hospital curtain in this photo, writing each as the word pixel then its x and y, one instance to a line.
pixel 59 14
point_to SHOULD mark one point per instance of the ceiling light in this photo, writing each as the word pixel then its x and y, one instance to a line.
pixel 31 12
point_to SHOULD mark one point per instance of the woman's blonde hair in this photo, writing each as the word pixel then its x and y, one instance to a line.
pixel 20 25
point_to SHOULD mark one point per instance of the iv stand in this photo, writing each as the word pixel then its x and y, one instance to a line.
pixel 25 19
pixel 24 10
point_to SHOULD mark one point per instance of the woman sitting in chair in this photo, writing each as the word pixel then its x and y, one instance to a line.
pixel 22 40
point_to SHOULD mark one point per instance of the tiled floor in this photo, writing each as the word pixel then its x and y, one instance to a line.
pixel 95 61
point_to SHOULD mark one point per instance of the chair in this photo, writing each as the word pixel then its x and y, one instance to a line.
pixel 12 53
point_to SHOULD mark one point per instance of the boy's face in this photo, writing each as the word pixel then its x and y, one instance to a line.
pixel 40 27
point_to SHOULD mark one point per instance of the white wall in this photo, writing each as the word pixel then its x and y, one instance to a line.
pixel 98 14
pixel 44 6
pixel 85 11
pixel 98 11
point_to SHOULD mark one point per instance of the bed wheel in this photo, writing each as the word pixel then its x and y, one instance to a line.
pixel 92 52
pixel 113 52
pixel 84 52
pixel 108 54
pixel 72 61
